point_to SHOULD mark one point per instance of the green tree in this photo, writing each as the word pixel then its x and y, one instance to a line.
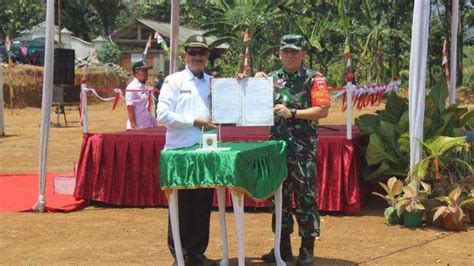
pixel 18 15
pixel 109 53
pixel 380 38
pixel 263 18
pixel 81 18
pixel 108 11
pixel 318 22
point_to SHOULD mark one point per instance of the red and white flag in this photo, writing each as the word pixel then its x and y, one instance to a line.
pixel 444 62
pixel 347 54
pixel 245 67
pixel 8 43
pixel 247 35
pixel 148 45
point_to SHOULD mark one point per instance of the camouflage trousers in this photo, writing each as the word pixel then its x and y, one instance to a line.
pixel 301 183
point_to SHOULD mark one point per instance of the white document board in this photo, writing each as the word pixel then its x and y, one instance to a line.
pixel 244 102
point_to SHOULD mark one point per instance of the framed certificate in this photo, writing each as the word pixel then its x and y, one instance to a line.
pixel 244 102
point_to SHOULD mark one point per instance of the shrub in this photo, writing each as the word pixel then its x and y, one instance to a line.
pixel 109 53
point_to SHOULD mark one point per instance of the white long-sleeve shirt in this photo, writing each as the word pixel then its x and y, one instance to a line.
pixel 183 98
pixel 139 100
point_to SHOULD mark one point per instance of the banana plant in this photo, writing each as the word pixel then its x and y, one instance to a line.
pixel 441 155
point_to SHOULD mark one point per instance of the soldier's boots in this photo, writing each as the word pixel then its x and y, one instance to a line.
pixel 285 251
pixel 305 258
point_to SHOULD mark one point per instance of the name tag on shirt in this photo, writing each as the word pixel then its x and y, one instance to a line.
pixel 185 91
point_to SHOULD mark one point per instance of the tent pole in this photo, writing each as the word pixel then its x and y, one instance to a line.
pixel 349 110
pixel 417 79
pixel 174 36
pixel 46 104
pixel 454 51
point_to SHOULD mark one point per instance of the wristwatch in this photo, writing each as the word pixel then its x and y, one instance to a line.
pixel 293 113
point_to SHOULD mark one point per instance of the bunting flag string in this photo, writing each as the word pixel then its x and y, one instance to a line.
pixel 119 93
pixel 445 63
pixel 245 66
pixel 365 95
pixel 368 95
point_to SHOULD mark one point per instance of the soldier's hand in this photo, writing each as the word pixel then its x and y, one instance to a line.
pixel 282 111
pixel 261 75
pixel 241 75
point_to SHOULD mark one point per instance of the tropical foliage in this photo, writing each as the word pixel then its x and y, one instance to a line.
pixel 393 188
pixel 18 15
pixel 81 18
pixel 412 198
pixel 109 53
pixel 388 150
pixel 441 157
pixel 454 205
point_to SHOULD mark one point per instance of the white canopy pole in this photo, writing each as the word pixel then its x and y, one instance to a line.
pixel 174 36
pixel 416 83
pixel 84 110
pixel 2 121
pixel 46 104
pixel 349 110
pixel 454 51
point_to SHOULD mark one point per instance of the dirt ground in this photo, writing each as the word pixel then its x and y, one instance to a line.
pixel 108 235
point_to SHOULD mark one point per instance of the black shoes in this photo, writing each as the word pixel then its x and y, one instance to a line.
pixel 305 258
pixel 196 260
pixel 285 251
pixel 286 255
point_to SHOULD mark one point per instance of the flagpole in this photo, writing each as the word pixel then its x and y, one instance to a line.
pixel 454 51
pixel 10 84
pixel 174 36
pixel 46 105
pixel 9 67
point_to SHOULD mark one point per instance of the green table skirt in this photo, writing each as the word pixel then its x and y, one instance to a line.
pixel 256 168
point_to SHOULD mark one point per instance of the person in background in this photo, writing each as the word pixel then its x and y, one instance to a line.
pixel 301 98
pixel 137 99
pixel 157 86
pixel 183 107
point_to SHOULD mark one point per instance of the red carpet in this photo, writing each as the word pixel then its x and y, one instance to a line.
pixel 19 193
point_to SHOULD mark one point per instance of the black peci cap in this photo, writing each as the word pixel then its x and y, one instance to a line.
pixel 139 65
pixel 197 41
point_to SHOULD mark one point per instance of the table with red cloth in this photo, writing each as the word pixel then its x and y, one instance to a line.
pixel 122 168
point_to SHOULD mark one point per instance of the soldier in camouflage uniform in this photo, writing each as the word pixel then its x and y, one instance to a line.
pixel 296 122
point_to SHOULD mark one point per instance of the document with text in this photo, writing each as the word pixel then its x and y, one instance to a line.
pixel 244 102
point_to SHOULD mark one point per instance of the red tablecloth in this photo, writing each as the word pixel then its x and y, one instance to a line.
pixel 122 168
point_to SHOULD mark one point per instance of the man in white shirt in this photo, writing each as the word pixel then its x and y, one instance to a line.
pixel 137 99
pixel 183 107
